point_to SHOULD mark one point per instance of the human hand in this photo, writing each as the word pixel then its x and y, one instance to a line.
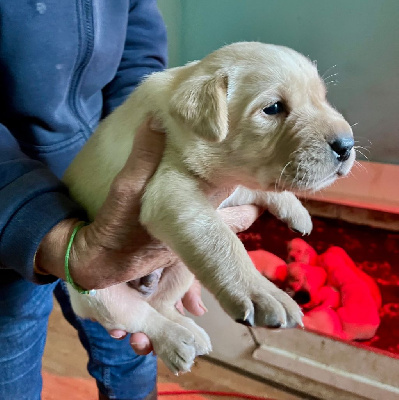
pixel 114 248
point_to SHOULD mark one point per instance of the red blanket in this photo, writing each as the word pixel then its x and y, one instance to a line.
pixel 337 298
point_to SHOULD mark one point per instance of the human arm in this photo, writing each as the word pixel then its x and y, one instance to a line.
pixel 32 201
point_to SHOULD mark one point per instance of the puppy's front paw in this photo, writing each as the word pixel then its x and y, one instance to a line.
pixel 287 207
pixel 300 221
pixel 262 304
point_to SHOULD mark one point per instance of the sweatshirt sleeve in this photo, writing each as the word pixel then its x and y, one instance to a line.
pixel 145 52
pixel 32 202
pixel 32 199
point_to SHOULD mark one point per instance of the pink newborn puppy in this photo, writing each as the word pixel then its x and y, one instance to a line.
pixel 300 251
pixel 359 311
pixel 269 265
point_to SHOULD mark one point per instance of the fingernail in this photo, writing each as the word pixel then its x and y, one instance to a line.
pixel 139 348
pixel 118 334
pixel 202 305
pixel 141 344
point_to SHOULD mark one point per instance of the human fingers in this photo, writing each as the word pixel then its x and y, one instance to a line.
pixel 128 186
pixel 117 333
pixel 140 343
pixel 192 301
pixel 240 218
pixel 146 154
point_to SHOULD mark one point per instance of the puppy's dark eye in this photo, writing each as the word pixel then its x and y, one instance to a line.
pixel 274 109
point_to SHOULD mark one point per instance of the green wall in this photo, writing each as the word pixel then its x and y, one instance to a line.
pixel 360 37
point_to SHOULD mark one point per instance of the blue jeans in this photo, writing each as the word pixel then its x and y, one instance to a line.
pixel 24 312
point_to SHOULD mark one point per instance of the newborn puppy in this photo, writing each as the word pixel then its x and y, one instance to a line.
pixel 304 283
pixel 249 116
pixel 300 251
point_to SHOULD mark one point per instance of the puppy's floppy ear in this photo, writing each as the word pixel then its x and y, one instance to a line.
pixel 201 103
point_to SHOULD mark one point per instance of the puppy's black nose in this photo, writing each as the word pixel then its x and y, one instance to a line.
pixel 342 147
pixel 302 297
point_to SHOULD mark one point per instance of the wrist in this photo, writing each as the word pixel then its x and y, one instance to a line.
pixel 50 255
pixel 67 266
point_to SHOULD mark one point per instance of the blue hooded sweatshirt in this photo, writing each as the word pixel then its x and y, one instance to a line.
pixel 64 65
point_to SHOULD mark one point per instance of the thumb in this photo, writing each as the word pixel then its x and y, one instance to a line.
pixel 240 218
pixel 147 152
pixel 192 300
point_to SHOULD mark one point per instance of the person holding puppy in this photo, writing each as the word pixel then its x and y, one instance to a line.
pixel 65 67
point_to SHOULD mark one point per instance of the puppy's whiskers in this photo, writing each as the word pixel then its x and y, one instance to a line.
pixel 363 138
pixel 359 165
pixel 278 182
pixel 295 180
pixel 360 152
pixel 327 71
pixel 329 76
pixel 333 83
pixel 362 147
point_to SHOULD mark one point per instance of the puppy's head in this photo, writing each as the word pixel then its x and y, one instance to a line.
pixel 300 251
pixel 262 113
pixel 296 284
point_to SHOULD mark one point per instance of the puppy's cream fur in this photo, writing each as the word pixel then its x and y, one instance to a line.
pixel 212 111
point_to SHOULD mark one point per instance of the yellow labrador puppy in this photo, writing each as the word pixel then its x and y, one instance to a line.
pixel 250 116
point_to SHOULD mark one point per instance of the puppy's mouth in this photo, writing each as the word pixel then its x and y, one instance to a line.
pixel 310 184
pixel 341 170
pixel 345 167
pixel 313 175
pixel 326 181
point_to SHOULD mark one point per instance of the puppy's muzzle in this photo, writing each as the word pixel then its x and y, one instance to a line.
pixel 302 297
pixel 342 147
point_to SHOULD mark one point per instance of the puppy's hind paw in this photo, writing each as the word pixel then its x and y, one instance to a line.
pixel 176 348
pixel 202 342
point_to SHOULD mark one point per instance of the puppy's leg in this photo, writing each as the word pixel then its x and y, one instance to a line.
pixel 121 307
pixel 173 285
pixel 175 211
pixel 283 205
